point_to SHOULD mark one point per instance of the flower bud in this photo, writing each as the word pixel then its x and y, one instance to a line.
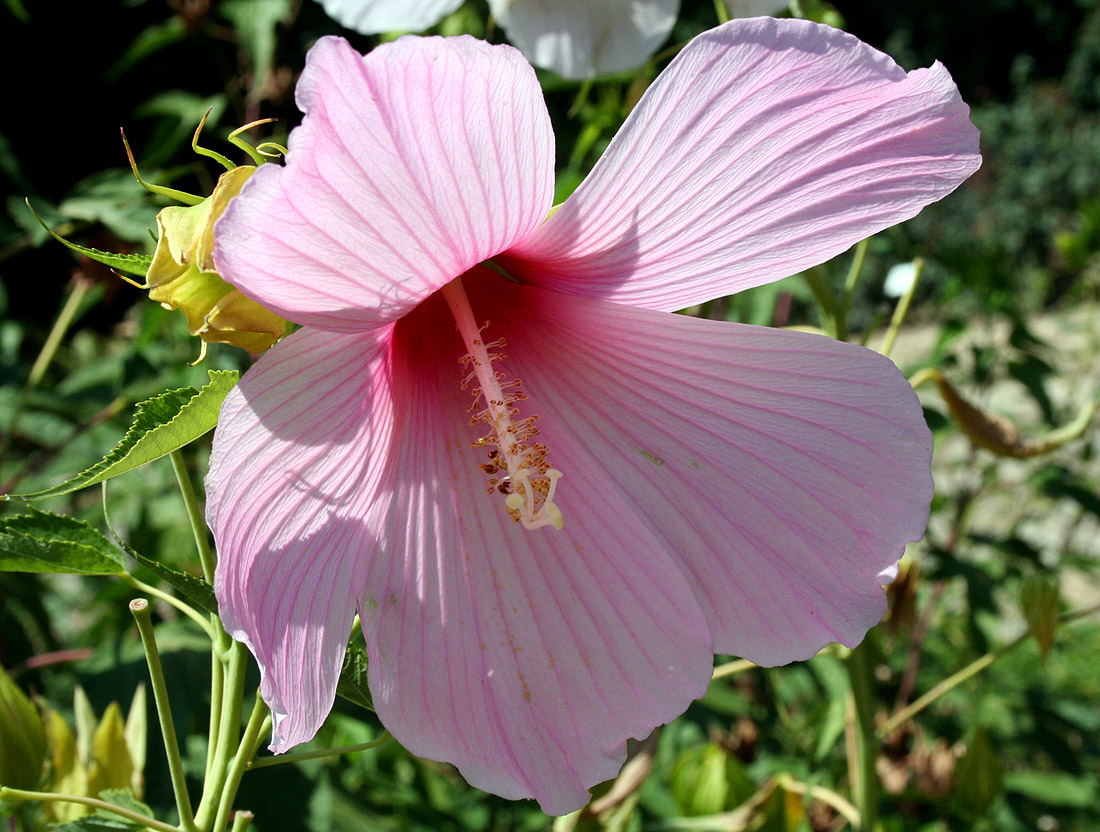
pixel 22 738
pixel 182 274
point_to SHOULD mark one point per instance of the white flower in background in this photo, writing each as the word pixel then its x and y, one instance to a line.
pixel 899 280
pixel 756 8
pixel 575 38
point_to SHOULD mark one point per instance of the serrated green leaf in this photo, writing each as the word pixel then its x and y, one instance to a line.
pixel 196 590
pixel 98 823
pixel 125 799
pixel 136 264
pixel 51 543
pixel 162 424
pixel 353 678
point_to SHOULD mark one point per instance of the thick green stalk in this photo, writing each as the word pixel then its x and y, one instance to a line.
pixel 140 608
pixel 194 514
pixel 246 750
pixel 217 690
pixel 229 728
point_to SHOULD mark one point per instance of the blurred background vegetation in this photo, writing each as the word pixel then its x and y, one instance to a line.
pixel 1008 309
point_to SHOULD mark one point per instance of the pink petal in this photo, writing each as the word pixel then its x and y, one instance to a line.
pixel 766 147
pixel 526 658
pixel 297 455
pixel 581 38
pixel 412 164
pixel 370 17
pixel 784 471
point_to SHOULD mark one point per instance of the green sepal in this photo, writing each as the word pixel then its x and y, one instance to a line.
pixel 135 264
pixel 52 543
pixel 137 729
pixel 163 424
pixel 112 767
pixel 353 678
pixel 22 737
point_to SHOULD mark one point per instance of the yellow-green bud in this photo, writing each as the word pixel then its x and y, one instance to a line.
pixel 22 738
pixel 182 274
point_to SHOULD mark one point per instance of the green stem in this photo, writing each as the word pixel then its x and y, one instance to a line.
pixel 140 608
pixel 242 820
pixel 864 779
pixel 194 514
pixel 217 690
pixel 580 99
pixel 229 727
pixel 46 355
pixel 972 669
pixel 826 303
pixel 186 609
pixel 102 805
pixel 245 752
pixel 721 12
pixel 826 796
pixel 901 310
pixel 731 669
pixel 222 646
pixel 854 271
pixel 318 754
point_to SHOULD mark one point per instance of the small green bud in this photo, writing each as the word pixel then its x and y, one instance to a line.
pixel 182 274
pixel 22 738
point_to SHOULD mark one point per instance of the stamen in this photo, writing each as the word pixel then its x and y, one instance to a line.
pixel 529 483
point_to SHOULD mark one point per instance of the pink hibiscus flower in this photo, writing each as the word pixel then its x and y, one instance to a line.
pixel 551 500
